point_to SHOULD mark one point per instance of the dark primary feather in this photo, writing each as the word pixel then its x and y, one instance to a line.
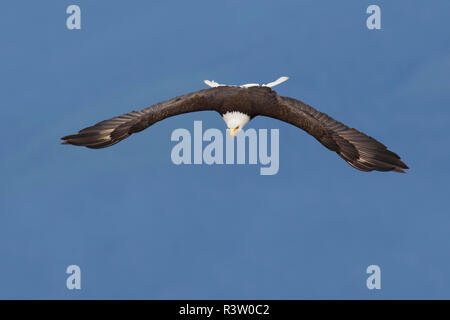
pixel 109 132
pixel 359 150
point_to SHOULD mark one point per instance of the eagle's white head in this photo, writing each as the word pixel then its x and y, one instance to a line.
pixel 235 121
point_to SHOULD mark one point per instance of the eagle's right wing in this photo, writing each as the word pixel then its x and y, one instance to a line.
pixel 109 132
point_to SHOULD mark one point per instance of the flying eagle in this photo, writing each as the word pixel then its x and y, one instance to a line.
pixel 238 105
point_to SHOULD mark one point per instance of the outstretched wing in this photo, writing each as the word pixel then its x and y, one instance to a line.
pixel 358 149
pixel 111 131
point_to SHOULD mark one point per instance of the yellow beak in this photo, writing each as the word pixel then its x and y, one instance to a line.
pixel 233 131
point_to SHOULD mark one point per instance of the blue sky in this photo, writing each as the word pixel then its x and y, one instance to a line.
pixel 140 227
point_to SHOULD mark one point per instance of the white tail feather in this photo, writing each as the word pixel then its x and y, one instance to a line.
pixel 276 82
pixel 214 84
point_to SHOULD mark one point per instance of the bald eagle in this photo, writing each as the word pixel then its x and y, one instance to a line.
pixel 238 105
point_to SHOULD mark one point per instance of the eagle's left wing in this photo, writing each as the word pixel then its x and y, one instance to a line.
pixel 358 149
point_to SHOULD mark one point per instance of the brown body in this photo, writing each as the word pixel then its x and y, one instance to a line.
pixel 359 150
